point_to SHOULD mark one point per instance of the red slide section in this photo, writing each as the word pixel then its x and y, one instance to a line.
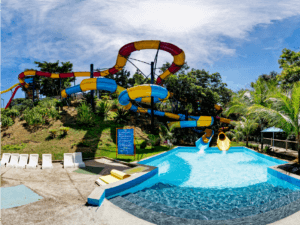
pixel 15 91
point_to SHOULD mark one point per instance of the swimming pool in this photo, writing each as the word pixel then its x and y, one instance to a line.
pixel 211 186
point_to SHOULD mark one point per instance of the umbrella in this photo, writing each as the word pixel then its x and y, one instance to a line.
pixel 273 130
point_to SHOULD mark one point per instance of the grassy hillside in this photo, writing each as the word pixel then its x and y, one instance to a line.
pixel 93 141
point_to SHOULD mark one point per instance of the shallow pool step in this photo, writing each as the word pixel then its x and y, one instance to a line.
pixel 205 199
pixel 213 214
pixel 162 219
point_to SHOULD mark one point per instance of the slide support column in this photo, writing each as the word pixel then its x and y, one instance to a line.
pixel 262 143
pixel 92 91
pixel 152 99
pixel 33 87
pixel 60 88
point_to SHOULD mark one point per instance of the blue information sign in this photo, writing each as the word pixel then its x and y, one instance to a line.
pixel 125 141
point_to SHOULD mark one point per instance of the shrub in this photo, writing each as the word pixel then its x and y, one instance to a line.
pixel 64 130
pixel 33 116
pixel 6 121
pixel 122 115
pixel 267 148
pixel 102 108
pixel 22 104
pixel 85 115
pixel 48 102
pixel 53 133
pixel 53 113
pixel 154 140
pixel 13 112
pixel 14 147
pixel 143 145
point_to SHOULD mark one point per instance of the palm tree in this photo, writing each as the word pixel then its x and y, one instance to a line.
pixel 284 111
pixel 244 99
pixel 236 134
pixel 245 127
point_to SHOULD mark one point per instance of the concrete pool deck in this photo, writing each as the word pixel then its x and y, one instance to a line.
pixel 65 195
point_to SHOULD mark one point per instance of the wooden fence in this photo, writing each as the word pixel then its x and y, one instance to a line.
pixel 286 142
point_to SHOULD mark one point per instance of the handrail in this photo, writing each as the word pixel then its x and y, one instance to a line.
pixel 280 140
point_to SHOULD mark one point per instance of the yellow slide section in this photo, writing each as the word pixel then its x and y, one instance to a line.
pixel 114 177
pixel 223 142
pixel 207 135
pixel 9 88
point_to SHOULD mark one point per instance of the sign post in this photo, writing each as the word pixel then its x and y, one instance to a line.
pixel 125 142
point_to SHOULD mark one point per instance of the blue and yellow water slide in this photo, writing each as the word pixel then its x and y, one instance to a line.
pixel 141 93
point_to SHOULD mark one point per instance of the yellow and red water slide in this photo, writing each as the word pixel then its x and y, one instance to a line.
pixel 142 93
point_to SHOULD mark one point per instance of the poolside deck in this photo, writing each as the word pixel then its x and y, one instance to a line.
pixel 65 194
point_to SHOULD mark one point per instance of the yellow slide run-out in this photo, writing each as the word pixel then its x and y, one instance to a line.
pixel 223 142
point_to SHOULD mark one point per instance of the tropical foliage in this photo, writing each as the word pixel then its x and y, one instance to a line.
pixel 85 115
pixel 290 63
pixel 51 87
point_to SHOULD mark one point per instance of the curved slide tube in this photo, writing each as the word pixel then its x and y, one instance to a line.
pixel 7 90
pixel 203 142
pixel 223 142
pixel 142 93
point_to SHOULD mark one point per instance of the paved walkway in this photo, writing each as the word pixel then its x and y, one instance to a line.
pixel 65 195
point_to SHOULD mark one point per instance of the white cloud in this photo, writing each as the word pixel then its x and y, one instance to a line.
pixel 85 32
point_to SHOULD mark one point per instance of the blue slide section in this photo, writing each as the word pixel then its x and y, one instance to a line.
pixel 200 144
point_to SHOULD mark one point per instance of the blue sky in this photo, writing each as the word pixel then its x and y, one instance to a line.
pixel 239 40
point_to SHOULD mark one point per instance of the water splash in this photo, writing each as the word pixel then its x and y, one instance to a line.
pixel 201 149
pixel 224 152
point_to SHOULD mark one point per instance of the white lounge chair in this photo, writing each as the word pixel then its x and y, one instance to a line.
pixel 69 160
pixel 47 161
pixel 5 158
pixel 14 160
pixel 33 161
pixel 78 159
pixel 23 161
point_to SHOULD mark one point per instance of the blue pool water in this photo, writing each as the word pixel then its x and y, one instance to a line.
pixel 212 186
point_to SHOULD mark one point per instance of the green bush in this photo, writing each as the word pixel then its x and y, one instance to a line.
pixel 64 130
pixel 85 116
pixel 122 115
pixel 33 116
pixel 14 147
pixel 48 102
pixel 13 112
pixel 143 145
pixel 53 113
pixel 154 140
pixel 39 114
pixel 22 104
pixel 267 148
pixel 6 121
pixel 53 132
pixel 102 108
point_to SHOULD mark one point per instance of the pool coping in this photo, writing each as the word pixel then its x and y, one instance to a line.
pixel 99 193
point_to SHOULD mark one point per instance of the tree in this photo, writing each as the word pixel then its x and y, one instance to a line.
pixel 138 79
pixel 272 76
pixel 122 78
pixel 290 63
pixel 244 99
pixel 283 112
pixel 50 87
pixel 236 134
pixel 247 125
pixel 190 86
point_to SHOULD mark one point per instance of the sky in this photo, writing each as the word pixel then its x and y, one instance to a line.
pixel 239 40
